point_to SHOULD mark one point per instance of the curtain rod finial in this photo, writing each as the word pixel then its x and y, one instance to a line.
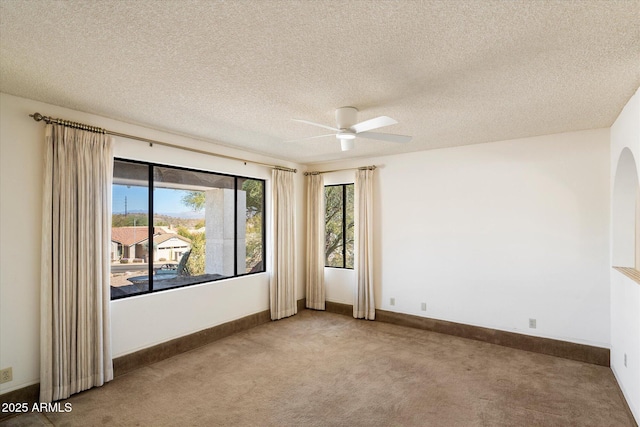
pixel 37 117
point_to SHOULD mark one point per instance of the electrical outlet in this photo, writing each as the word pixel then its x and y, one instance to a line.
pixel 423 306
pixel 6 375
pixel 392 301
pixel 625 360
pixel 532 323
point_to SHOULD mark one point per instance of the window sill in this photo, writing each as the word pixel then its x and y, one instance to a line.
pixel 631 273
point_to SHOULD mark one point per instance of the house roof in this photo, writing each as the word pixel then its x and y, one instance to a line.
pixel 137 235
pixel 235 73
pixel 160 238
pixel 129 235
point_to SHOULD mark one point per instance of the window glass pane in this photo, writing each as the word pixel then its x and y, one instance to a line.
pixel 349 227
pixel 193 235
pixel 333 226
pixel 250 226
pixel 202 227
pixel 129 229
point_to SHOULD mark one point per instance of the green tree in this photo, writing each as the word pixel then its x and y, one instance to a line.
pixel 254 193
pixel 254 190
pixel 196 261
pixel 182 231
pixel 338 245
pixel 333 226
pixel 194 200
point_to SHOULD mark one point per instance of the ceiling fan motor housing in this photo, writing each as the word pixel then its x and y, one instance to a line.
pixel 346 117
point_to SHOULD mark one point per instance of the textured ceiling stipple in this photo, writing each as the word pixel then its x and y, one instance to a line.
pixel 450 72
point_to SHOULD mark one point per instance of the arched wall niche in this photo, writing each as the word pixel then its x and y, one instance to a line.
pixel 626 213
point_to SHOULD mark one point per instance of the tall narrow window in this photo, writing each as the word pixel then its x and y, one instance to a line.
pixel 339 225
pixel 250 226
pixel 193 227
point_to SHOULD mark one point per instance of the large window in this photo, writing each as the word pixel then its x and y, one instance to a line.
pixel 174 227
pixel 338 241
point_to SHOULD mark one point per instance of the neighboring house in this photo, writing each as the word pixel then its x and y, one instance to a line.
pixel 170 247
pixel 128 242
pixel 132 242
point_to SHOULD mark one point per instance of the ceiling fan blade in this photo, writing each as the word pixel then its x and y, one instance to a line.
pixel 385 136
pixel 376 123
pixel 316 124
pixel 311 137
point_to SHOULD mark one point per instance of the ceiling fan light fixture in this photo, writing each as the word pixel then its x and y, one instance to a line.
pixel 347 144
pixel 345 135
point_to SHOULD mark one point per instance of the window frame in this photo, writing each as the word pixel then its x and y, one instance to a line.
pixel 150 182
pixel 344 225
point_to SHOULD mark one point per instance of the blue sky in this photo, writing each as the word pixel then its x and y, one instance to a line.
pixel 166 201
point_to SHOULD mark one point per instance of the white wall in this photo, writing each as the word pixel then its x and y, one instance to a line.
pixel 137 322
pixel 21 161
pixel 625 293
pixel 495 234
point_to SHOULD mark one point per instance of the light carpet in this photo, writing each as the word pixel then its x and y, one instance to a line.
pixel 324 369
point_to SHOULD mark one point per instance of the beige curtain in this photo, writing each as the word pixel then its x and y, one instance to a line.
pixel 315 242
pixel 364 301
pixel 282 285
pixel 75 344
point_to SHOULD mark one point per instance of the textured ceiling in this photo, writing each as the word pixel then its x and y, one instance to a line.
pixel 451 72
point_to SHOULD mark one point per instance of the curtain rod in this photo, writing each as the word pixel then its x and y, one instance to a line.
pixel 39 117
pixel 372 167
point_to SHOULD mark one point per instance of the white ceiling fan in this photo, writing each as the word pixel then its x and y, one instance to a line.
pixel 347 129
